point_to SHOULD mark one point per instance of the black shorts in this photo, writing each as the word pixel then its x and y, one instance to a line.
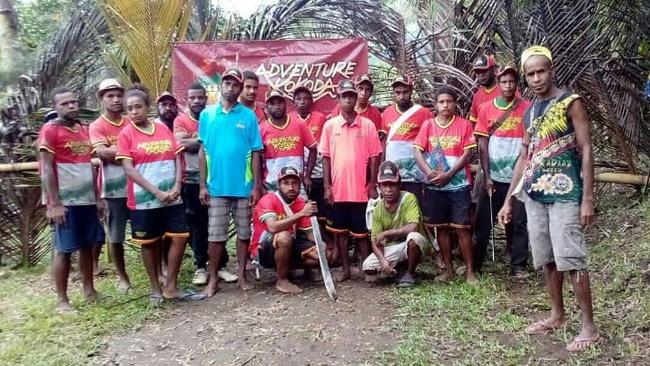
pixel 316 194
pixel 347 217
pixel 266 250
pixel 447 208
pixel 147 226
pixel 416 188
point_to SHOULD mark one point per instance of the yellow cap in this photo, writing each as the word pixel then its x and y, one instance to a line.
pixel 535 51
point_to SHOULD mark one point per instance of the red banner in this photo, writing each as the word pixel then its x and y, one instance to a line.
pixel 318 64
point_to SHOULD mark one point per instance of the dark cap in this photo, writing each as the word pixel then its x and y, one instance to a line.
pixel 50 116
pixel 388 172
pixel 166 95
pixel 233 73
pixel 402 79
pixel 346 86
pixel 300 88
pixel 364 78
pixel 507 69
pixel 273 93
pixel 484 62
pixel 288 171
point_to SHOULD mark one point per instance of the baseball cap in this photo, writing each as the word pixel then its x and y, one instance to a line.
pixel 484 62
pixel 288 171
pixel 108 84
pixel 388 172
pixel 364 77
pixel 507 69
pixel 346 86
pixel 233 73
pixel 403 79
pixel 166 95
pixel 301 88
pixel 273 93
pixel 50 116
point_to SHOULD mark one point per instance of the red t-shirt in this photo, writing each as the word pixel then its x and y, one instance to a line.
pixel 271 206
pixel 371 112
pixel 73 170
pixel 184 123
pixel 154 156
pixel 315 122
pixel 284 146
pixel 112 179
pixel 453 139
pixel 481 96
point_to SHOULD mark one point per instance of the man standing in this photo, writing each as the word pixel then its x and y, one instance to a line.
pixel 557 167
pixel 186 127
pixel 103 137
pixel 500 132
pixel 73 203
pixel 230 170
pixel 448 142
pixel 314 120
pixel 365 88
pixel 402 122
pixel 487 90
pixel 282 236
pixel 167 106
pixel 350 146
pixel 285 140
pixel 395 236
pixel 248 96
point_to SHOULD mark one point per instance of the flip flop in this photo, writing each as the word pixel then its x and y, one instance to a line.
pixel 187 295
pixel 579 345
pixel 155 300
pixel 540 328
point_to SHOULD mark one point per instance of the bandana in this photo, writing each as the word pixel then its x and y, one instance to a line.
pixel 535 51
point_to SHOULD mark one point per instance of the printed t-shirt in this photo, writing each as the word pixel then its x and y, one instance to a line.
pixel 73 170
pixel 271 206
pixel 408 213
pixel 370 112
pixel 284 146
pixel 481 96
pixel 228 140
pixel 111 176
pixel 153 154
pixel 399 149
pixel 349 148
pixel 452 139
pixel 315 122
pixel 505 143
pixel 185 123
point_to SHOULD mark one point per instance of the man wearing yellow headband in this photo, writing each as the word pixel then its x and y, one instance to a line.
pixel 557 167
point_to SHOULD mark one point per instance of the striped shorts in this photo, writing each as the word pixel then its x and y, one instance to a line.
pixel 221 209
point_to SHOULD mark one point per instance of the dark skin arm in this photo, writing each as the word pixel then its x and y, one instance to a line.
pixel 311 162
pixel 55 209
pixel 190 144
pixel 371 188
pixel 258 188
pixel 443 178
pixel 204 195
pixel 389 235
pixel 578 115
pixel 106 154
pixel 484 156
pixel 275 226
pixel 327 179
pixel 138 179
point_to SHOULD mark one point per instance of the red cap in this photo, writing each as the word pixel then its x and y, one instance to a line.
pixel 233 73
pixel 364 77
pixel 403 79
pixel 506 69
pixel 484 62
pixel 166 95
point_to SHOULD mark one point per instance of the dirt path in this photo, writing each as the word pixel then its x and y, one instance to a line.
pixel 264 327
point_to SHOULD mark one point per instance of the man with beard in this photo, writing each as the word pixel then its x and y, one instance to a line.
pixel 285 139
pixel 103 137
pixel 186 127
pixel 248 95
pixel 365 88
pixel 282 235
pixel 402 122
pixel 167 106
pixel 230 170
pixel 72 200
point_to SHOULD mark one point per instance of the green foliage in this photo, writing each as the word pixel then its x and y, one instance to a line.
pixel 39 19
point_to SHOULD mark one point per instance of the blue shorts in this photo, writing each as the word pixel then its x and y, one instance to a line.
pixel 447 208
pixel 81 229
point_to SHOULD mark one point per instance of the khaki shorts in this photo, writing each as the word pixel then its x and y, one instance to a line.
pixel 555 235
pixel 397 253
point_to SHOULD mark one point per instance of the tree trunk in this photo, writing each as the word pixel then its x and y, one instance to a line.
pixel 8 39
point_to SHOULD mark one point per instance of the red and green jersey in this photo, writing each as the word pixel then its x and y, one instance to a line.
pixel 271 206
pixel 481 96
pixel 314 122
pixel 505 143
pixel 399 149
pixel 73 170
pixel 452 138
pixel 112 179
pixel 184 123
pixel 153 154
pixel 284 146
pixel 370 112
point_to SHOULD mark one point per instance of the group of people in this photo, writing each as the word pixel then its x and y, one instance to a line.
pixel 390 185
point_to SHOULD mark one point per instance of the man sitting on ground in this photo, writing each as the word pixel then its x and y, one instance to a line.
pixel 395 236
pixel 282 236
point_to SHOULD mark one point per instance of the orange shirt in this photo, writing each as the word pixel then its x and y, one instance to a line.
pixel 371 112
pixel 349 146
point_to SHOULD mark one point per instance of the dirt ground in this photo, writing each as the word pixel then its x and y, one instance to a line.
pixel 264 327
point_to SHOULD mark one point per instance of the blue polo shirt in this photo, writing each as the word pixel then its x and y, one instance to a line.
pixel 228 139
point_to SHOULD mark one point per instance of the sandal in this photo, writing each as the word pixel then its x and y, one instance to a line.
pixel 581 344
pixel 187 295
pixel 155 300
pixel 540 328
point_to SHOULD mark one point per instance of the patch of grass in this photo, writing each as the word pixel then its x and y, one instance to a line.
pixel 32 333
pixel 457 324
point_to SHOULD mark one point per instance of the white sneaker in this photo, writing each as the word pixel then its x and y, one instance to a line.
pixel 227 276
pixel 200 277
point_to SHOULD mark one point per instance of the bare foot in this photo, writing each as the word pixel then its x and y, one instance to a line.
pixel 92 296
pixel 444 277
pixel 471 278
pixel 439 263
pixel 211 288
pixel 63 307
pixel 123 286
pixel 98 270
pixel 287 287
pixel 243 284
pixel 342 276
